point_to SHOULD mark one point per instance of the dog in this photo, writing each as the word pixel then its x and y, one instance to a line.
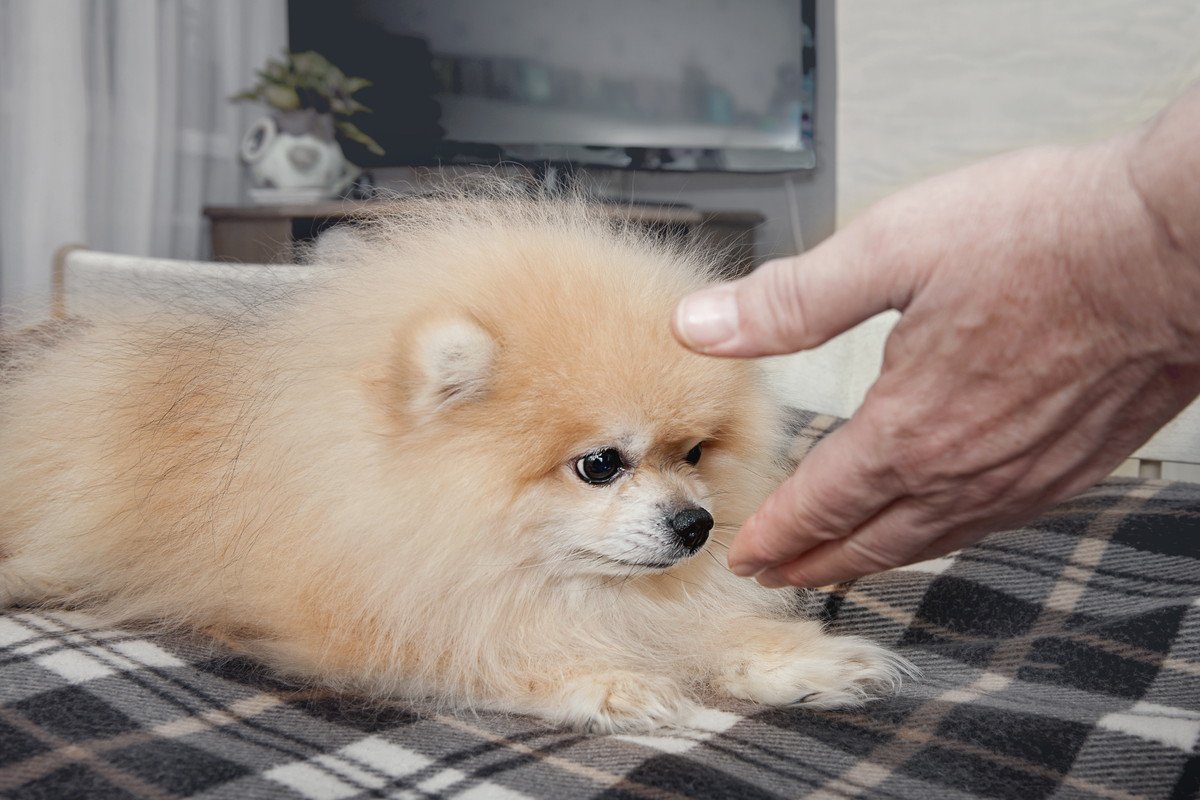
pixel 469 466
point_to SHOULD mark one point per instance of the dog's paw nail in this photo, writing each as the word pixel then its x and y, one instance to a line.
pixel 801 700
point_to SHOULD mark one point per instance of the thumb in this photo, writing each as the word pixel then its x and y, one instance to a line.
pixel 792 304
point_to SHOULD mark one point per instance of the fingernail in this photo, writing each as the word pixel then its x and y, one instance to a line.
pixel 745 569
pixel 707 318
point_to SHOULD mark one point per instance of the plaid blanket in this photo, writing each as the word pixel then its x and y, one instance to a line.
pixel 1060 660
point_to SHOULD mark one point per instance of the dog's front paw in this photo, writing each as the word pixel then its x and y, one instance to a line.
pixel 621 702
pixel 818 671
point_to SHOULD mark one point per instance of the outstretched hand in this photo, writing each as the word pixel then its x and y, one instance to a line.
pixel 1050 324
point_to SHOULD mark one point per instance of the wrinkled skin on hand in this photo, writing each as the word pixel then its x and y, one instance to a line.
pixel 1050 325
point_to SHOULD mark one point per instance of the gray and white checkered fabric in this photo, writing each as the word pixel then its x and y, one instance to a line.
pixel 1061 660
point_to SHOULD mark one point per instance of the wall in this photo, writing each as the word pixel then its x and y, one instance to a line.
pixel 925 86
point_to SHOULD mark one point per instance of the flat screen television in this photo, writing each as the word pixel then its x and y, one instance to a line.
pixel 722 85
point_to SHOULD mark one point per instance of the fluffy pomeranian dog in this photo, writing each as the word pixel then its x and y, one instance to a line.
pixel 471 467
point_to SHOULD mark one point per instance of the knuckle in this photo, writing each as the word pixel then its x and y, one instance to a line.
pixel 928 458
pixel 866 558
pixel 817 521
pixel 880 237
pixel 921 472
pixel 990 488
pixel 761 550
pixel 955 481
pixel 901 455
pixel 875 239
pixel 797 574
pixel 776 311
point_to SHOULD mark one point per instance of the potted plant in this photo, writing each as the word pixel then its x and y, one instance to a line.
pixel 293 153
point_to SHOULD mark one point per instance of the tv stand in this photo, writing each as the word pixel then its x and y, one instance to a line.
pixel 614 200
pixel 553 177
pixel 269 234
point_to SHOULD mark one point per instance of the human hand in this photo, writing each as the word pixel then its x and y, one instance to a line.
pixel 1051 323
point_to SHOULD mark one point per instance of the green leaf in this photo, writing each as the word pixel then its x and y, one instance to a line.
pixel 352 132
pixel 282 97
pixel 275 70
pixel 249 94
pixel 311 62
pixel 307 80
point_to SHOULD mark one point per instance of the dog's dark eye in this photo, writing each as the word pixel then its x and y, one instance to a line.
pixel 599 467
pixel 693 456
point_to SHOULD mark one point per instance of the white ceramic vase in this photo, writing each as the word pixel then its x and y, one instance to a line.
pixel 292 156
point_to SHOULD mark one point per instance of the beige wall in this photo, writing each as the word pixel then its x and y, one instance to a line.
pixel 927 85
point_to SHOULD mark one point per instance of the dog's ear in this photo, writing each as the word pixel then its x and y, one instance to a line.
pixel 435 364
pixel 453 361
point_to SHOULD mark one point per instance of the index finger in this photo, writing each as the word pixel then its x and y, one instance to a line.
pixel 835 489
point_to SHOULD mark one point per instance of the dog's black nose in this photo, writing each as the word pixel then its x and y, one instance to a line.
pixel 692 526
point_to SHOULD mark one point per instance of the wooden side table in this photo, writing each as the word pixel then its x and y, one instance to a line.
pixel 268 234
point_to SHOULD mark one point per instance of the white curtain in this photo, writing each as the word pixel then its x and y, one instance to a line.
pixel 115 125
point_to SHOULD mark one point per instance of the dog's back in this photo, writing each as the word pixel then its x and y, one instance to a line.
pixel 118 436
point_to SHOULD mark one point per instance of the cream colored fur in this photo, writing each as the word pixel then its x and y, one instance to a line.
pixel 372 485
